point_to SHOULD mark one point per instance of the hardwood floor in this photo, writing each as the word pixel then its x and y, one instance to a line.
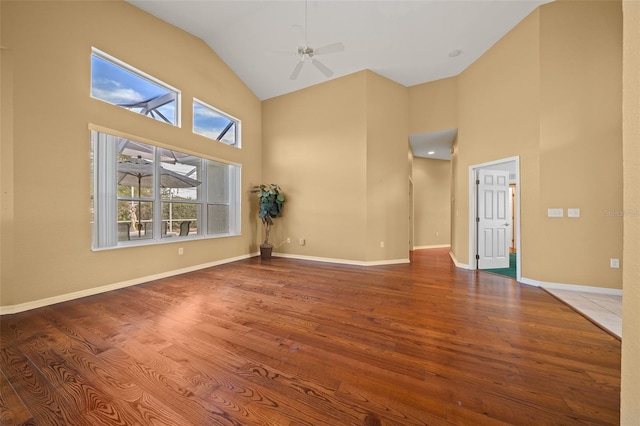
pixel 287 342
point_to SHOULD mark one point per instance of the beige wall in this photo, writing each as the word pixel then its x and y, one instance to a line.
pixel 549 92
pixel 315 149
pixel 581 141
pixel 499 116
pixel 433 106
pixel 387 171
pixel 630 409
pixel 432 202
pixel 47 110
pixel 339 151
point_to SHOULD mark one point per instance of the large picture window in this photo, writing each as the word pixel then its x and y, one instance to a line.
pixel 146 194
pixel 120 84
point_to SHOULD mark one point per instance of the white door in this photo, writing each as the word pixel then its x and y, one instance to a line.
pixel 494 219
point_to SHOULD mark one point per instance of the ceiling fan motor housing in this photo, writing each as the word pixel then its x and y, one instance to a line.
pixel 305 50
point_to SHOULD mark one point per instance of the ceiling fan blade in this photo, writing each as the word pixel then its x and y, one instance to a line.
pixel 296 70
pixel 322 67
pixel 329 48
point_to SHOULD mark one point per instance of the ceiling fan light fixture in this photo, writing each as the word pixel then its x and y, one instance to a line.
pixel 305 50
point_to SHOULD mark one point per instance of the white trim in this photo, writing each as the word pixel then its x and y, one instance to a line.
pixel 572 287
pixel 14 309
pixel 458 264
pixel 529 281
pixel 583 288
pixel 432 247
pixel 342 261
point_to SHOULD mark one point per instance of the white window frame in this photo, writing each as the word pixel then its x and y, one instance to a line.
pixel 135 71
pixel 237 123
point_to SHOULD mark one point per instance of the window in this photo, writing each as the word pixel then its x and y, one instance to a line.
pixel 119 84
pixel 214 124
pixel 143 194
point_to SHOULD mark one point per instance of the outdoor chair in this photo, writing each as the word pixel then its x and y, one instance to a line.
pixel 123 232
pixel 184 228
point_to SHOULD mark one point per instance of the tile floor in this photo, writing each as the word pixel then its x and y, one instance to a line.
pixel 603 309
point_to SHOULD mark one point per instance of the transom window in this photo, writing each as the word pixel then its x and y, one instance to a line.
pixel 120 84
pixel 215 124
pixel 146 194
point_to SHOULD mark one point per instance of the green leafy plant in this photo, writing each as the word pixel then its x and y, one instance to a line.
pixel 271 202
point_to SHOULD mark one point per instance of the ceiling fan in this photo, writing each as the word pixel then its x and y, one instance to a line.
pixel 307 53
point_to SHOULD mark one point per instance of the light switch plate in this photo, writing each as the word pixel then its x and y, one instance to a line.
pixel 555 212
pixel 573 212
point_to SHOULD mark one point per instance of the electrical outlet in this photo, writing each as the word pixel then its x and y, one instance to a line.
pixel 302 241
pixel 288 239
pixel 180 250
pixel 381 244
pixel 614 263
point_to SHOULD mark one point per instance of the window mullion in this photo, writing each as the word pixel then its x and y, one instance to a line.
pixel 204 191
pixel 157 196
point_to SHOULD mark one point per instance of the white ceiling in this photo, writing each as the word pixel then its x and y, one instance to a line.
pixel 436 145
pixel 409 42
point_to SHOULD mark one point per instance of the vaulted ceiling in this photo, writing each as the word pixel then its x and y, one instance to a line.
pixel 410 42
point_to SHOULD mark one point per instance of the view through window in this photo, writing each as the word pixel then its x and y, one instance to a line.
pixel 145 194
pixel 119 84
pixel 214 124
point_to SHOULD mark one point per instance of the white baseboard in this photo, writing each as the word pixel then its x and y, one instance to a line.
pixel 342 261
pixel 432 247
pixel 529 281
pixel 583 288
pixel 14 309
pixel 458 264
pixel 572 287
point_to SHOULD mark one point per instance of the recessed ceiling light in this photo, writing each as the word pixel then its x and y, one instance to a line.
pixel 431 152
pixel 455 53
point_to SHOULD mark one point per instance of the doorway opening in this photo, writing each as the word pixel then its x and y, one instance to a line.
pixel 494 217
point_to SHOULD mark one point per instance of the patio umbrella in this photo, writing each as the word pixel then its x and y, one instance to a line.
pixel 139 171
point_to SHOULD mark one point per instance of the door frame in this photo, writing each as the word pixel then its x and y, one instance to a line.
pixel 473 211
pixel 411 220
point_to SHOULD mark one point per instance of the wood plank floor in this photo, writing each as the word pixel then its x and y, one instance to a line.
pixel 288 342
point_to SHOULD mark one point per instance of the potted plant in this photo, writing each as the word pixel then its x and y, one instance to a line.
pixel 271 200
